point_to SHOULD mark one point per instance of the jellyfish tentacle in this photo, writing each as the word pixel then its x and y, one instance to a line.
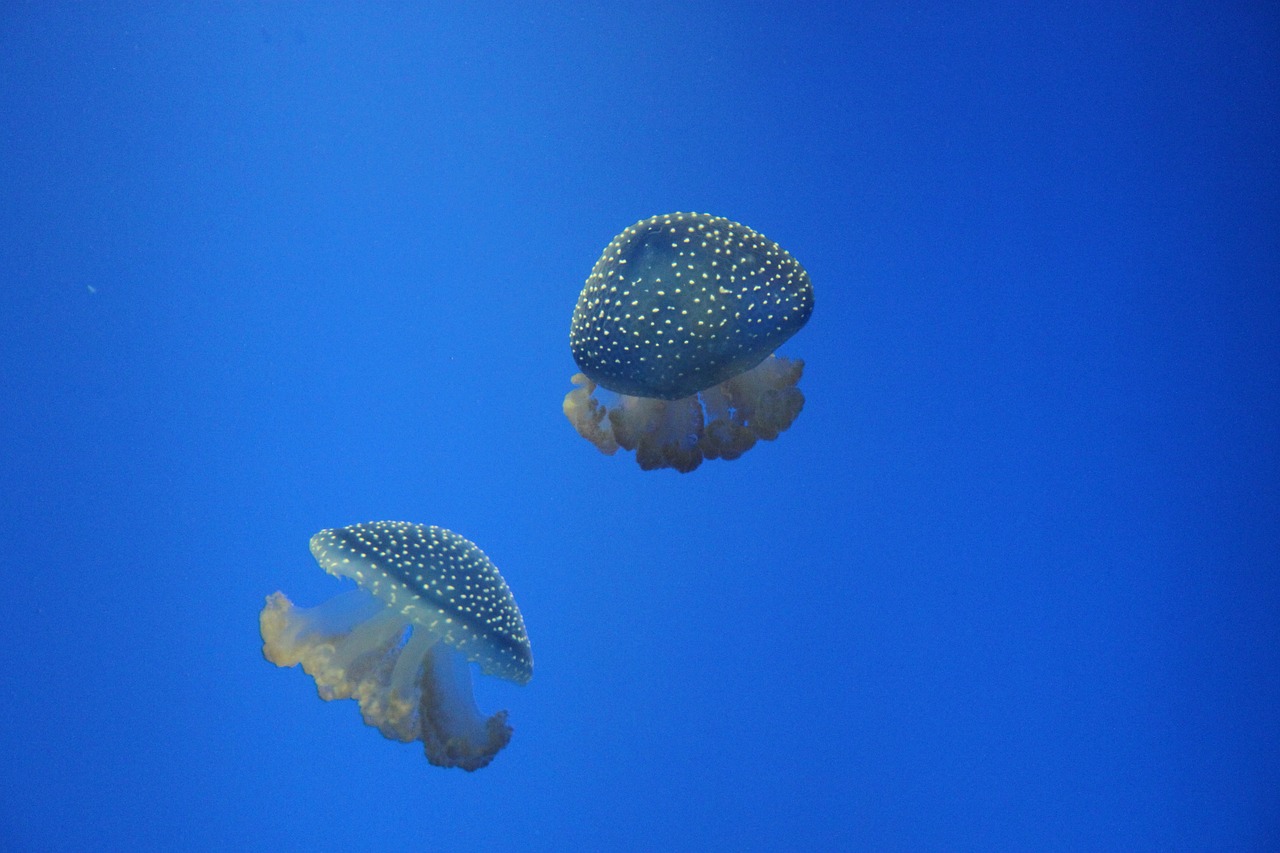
pixel 455 733
pixel 588 415
pixel 722 422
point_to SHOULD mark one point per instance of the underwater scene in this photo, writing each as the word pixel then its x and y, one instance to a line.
pixel 664 427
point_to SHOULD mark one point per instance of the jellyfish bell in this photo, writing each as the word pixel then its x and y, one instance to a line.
pixel 680 319
pixel 428 604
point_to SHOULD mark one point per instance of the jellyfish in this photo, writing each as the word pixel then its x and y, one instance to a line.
pixel 428 603
pixel 680 319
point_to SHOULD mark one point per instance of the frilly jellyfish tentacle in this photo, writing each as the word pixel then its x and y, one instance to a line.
pixel 766 398
pixel 588 415
pixel 721 422
pixel 419 690
pixel 346 664
pixel 455 733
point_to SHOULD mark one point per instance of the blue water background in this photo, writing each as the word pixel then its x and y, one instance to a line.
pixel 1009 583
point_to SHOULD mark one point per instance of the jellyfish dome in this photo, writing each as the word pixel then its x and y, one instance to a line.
pixel 680 320
pixel 428 603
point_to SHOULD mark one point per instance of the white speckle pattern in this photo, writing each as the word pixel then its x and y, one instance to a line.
pixel 684 301
pixel 438 580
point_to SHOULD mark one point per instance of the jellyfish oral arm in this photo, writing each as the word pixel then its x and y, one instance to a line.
pixel 720 422
pixel 409 685
pixel 588 415
pixel 454 732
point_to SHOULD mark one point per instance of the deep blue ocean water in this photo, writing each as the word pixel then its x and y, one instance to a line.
pixel 1009 582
